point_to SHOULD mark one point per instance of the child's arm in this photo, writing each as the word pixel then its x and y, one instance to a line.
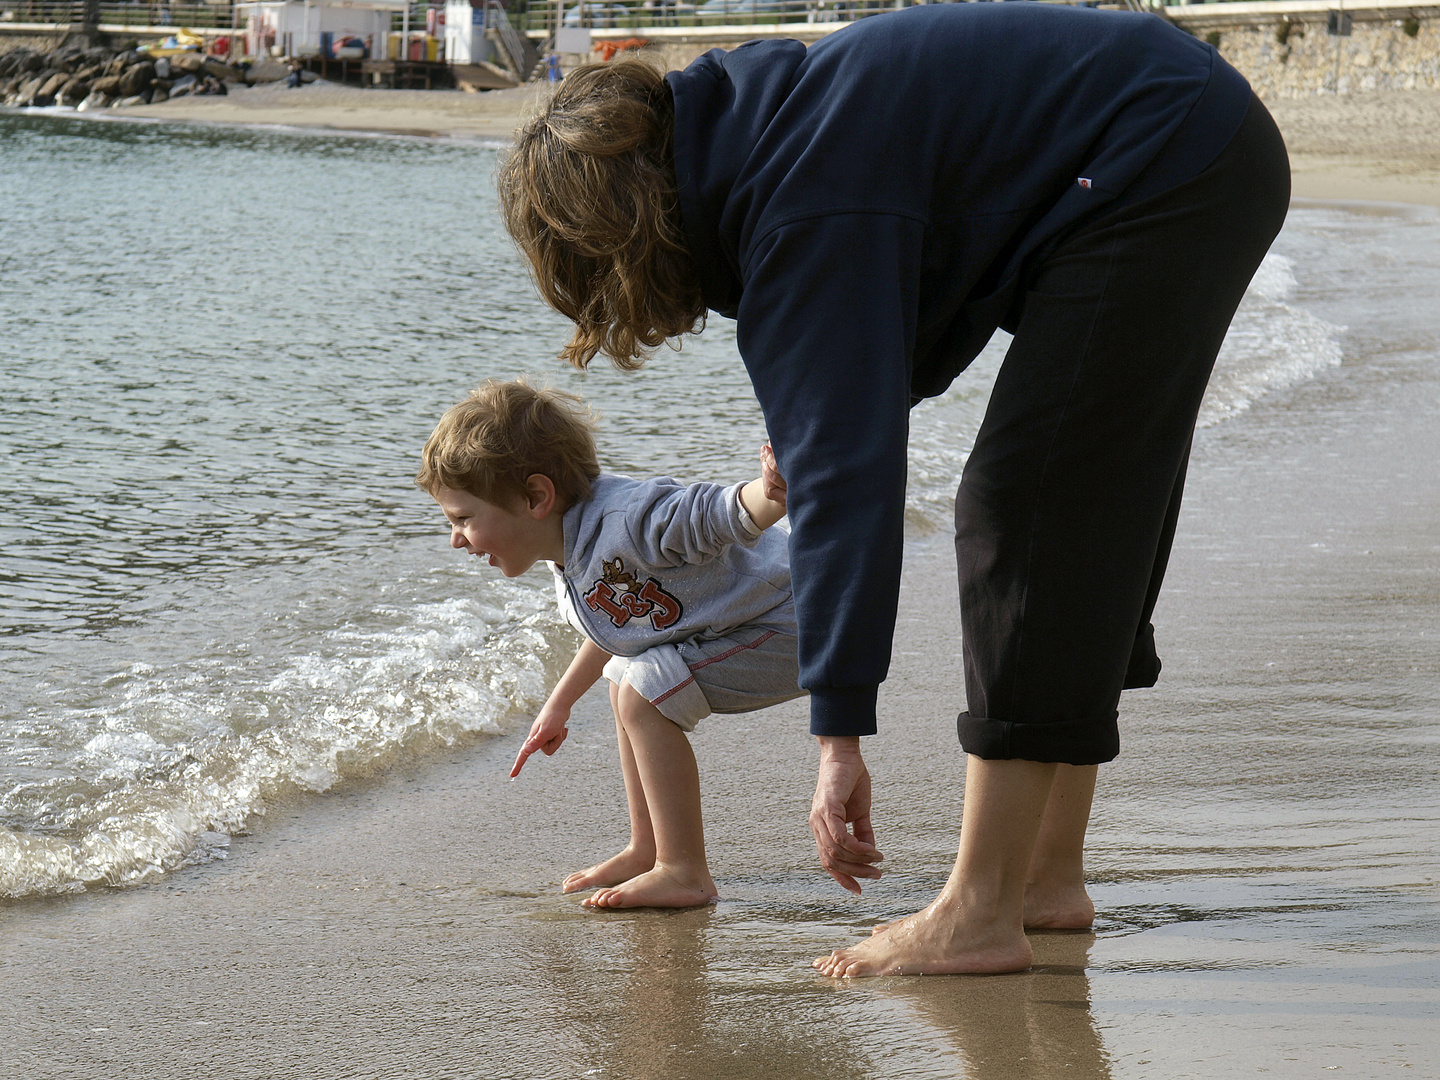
pixel 549 730
pixel 764 497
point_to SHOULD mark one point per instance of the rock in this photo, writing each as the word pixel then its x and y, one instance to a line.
pixel 137 78
pixel 52 85
pixel 108 85
pixel 220 70
pixel 158 94
pixel 162 84
pixel 188 62
pixel 126 102
pixel 162 68
pixel 90 72
pixel 10 63
pixel 124 60
pixel 33 62
pixel 307 76
pixel 266 71
pixel 27 89
pixel 74 91
pixel 183 84
pixel 96 100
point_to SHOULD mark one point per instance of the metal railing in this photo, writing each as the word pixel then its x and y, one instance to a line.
pixel 496 19
pixel 74 12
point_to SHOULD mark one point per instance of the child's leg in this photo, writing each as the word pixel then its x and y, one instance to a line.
pixel 670 782
pixel 639 854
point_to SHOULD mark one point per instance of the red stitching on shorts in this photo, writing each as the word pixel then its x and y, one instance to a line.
pixel 731 652
pixel 673 690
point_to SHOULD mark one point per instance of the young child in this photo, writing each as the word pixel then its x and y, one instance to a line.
pixel 682 596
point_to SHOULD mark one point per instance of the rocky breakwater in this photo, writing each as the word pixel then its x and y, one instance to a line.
pixel 99 78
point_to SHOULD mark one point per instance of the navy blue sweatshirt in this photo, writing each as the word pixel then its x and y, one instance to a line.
pixel 865 210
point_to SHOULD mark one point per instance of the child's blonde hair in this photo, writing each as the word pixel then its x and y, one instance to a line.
pixel 505 432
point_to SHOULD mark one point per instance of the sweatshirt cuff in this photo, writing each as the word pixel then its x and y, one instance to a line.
pixel 747 524
pixel 843 710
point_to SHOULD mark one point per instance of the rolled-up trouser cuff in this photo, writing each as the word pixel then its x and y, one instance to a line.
pixel 1144 667
pixel 663 679
pixel 1073 742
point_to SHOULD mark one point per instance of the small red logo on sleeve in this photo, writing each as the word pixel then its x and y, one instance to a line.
pixel 1085 181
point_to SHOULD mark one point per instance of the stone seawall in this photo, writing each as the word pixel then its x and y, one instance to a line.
pixel 1284 54
pixel 1299 58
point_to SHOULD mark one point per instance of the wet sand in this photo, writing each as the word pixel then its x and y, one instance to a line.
pixel 1381 146
pixel 1263 853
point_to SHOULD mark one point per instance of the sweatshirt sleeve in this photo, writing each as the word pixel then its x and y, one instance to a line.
pixel 671 524
pixel 827 329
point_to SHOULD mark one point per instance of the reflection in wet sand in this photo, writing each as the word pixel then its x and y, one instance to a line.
pixel 1034 1025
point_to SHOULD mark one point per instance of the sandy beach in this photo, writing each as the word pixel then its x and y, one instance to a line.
pixel 1262 857
pixel 317 949
pixel 1382 146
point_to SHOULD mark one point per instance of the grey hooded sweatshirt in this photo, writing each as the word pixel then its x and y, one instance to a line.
pixel 650 562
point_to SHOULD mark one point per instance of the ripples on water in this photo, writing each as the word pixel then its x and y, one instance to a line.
pixel 223 350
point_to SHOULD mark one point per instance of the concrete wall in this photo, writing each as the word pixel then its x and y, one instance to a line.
pixel 1378 55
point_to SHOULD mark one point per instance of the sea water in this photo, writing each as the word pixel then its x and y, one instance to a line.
pixel 220 351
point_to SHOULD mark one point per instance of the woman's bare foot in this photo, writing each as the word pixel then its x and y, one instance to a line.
pixel 1061 908
pixel 659 887
pixel 613 871
pixel 930 942
pixel 1058 909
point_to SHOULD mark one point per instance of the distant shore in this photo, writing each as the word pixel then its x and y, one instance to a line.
pixel 1382 146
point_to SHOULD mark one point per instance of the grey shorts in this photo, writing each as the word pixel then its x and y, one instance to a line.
pixel 749 669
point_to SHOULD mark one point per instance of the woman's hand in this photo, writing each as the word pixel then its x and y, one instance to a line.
pixel 842 803
pixel 772 484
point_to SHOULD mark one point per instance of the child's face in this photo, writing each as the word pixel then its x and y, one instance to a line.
pixel 510 537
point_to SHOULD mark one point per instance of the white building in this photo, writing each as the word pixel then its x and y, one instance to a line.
pixel 296 26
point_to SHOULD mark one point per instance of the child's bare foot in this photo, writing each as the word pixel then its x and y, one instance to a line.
pixel 613 871
pixel 930 942
pixel 1061 908
pixel 659 887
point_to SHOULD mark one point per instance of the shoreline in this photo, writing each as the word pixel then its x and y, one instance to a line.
pixel 1381 146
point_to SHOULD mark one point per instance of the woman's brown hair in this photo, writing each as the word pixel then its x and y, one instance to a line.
pixel 589 195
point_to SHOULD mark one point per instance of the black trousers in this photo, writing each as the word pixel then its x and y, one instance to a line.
pixel 1068 504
